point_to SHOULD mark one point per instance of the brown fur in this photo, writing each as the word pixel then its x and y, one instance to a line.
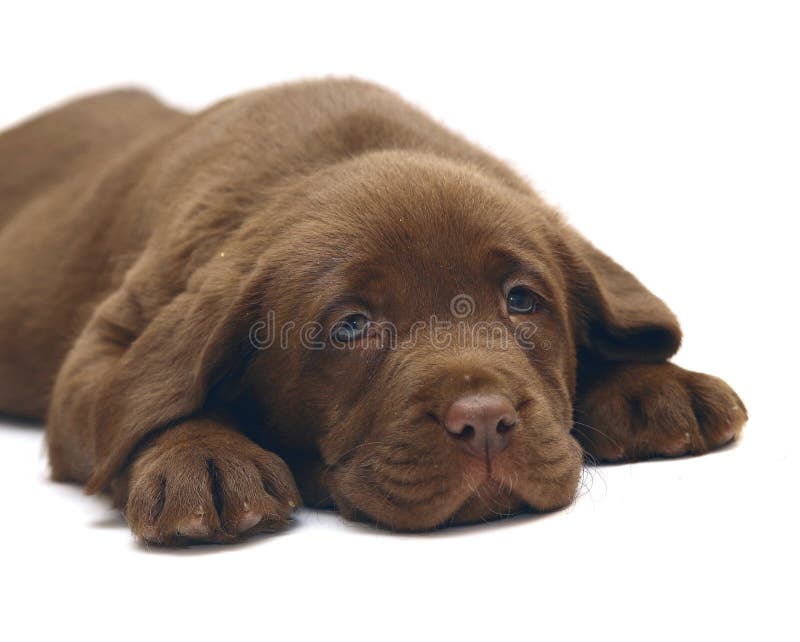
pixel 140 247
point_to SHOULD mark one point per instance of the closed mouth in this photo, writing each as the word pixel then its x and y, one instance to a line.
pixel 491 499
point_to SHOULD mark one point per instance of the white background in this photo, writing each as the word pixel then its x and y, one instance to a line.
pixel 668 135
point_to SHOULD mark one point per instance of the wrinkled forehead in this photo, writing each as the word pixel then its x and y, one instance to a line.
pixel 419 237
pixel 422 279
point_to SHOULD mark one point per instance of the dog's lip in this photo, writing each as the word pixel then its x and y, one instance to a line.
pixel 482 495
pixel 490 481
pixel 487 490
pixel 491 499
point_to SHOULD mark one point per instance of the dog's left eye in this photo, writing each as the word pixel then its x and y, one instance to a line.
pixel 521 300
pixel 351 327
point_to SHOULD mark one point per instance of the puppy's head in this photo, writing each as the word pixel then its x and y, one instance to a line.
pixel 424 331
pixel 411 325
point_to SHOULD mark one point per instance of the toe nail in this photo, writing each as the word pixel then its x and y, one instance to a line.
pixel 150 533
pixel 676 448
pixel 248 520
pixel 194 526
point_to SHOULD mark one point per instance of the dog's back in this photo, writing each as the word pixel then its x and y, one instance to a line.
pixel 53 257
pixel 59 145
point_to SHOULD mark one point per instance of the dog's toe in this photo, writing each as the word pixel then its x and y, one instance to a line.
pixel 181 496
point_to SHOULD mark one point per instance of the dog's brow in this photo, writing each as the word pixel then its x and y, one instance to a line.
pixel 514 263
pixel 342 302
pixel 509 264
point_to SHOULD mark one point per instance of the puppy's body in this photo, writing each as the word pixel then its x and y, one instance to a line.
pixel 84 188
pixel 140 246
pixel 70 228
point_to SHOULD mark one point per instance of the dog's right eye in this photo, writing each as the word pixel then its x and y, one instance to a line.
pixel 351 327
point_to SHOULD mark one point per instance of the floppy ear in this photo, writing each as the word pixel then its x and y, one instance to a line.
pixel 618 318
pixel 195 342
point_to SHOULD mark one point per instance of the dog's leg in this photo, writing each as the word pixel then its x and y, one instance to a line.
pixel 629 411
pixel 91 362
pixel 198 480
pixel 129 388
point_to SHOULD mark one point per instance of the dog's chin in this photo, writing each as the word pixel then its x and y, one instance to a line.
pixel 490 501
pixel 483 500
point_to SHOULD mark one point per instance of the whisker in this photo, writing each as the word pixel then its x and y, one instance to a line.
pixel 599 432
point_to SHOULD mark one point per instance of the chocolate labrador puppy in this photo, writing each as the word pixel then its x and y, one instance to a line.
pixel 317 287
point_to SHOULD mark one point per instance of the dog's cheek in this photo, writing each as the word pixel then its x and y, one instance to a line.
pixel 559 487
pixel 336 486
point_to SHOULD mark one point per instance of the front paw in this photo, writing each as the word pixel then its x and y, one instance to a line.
pixel 635 411
pixel 202 482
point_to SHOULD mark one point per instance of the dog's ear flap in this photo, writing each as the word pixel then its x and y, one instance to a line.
pixel 618 319
pixel 193 344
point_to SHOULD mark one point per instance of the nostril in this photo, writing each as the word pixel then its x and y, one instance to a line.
pixel 505 425
pixel 466 433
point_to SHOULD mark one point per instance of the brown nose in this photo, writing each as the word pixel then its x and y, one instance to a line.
pixel 481 423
